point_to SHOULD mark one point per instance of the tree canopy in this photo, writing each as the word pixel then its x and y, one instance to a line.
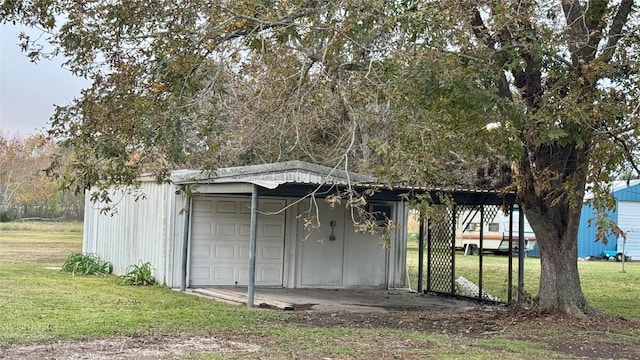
pixel 419 91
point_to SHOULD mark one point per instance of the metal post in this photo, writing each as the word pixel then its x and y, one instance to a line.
pixel 185 239
pixel 429 254
pixel 520 257
pixel 481 245
pixel 454 219
pixel 510 274
pixel 624 242
pixel 421 252
pixel 253 239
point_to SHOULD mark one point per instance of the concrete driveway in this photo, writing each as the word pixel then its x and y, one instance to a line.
pixel 338 299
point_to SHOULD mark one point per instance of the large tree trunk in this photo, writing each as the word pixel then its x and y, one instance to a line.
pixel 551 182
pixel 557 235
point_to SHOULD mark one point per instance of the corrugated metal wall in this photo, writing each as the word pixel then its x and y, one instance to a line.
pixel 586 236
pixel 587 246
pixel 134 231
pixel 631 193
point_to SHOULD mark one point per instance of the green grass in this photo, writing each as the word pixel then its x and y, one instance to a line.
pixel 605 286
pixel 47 243
pixel 39 304
pixel 83 306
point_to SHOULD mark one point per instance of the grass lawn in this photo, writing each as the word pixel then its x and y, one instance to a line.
pixel 43 308
pixel 605 286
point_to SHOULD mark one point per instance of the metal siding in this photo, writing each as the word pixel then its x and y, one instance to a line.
pixel 134 232
pixel 586 236
pixel 628 220
pixel 89 227
pixel 175 238
pixel 398 255
pixel 631 193
pixel 587 246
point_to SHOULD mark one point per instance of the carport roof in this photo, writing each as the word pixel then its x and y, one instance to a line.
pixel 274 174
pixel 298 178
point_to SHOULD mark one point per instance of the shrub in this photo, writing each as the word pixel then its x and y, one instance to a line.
pixel 8 215
pixel 139 275
pixel 87 264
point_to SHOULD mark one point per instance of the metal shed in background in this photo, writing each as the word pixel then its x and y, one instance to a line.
pixel 626 216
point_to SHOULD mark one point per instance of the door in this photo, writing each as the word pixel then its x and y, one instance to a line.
pixel 323 248
pixel 220 242
pixel 335 255
pixel 629 222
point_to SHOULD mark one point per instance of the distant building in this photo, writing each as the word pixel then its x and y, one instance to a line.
pixel 626 215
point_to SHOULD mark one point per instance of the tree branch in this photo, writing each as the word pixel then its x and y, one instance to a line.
pixel 615 31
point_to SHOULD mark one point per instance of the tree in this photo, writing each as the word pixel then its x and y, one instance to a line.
pixel 22 178
pixel 417 90
pixel 25 188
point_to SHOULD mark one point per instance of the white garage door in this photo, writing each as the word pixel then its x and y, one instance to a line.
pixel 629 221
pixel 220 242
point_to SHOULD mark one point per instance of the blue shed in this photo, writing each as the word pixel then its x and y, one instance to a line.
pixel 626 215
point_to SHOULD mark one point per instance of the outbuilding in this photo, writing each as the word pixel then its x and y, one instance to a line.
pixel 196 229
pixel 626 215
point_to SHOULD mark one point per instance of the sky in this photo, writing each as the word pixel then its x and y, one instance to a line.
pixel 29 91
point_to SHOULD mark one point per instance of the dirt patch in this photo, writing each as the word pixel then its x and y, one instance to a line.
pixel 126 348
pixel 598 336
pixel 595 337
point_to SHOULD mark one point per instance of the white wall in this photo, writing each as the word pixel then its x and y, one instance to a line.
pixel 351 260
pixel 133 231
pixel 152 229
pixel 629 221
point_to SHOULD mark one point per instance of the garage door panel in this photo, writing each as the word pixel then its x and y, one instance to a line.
pixel 245 207
pixel 202 206
pixel 273 252
pixel 201 250
pixel 226 207
pixel 226 229
pixel 201 228
pixel 268 275
pixel 245 230
pixel 220 243
pixel 223 252
pixel 200 273
pixel 224 274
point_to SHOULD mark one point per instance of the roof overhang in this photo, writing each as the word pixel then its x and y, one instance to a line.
pixel 299 179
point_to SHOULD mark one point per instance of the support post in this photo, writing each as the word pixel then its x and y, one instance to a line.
pixel 454 219
pixel 253 239
pixel 510 267
pixel 185 239
pixel 480 258
pixel 429 255
pixel 520 257
pixel 421 253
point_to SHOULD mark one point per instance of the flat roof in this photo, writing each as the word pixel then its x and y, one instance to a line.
pixel 299 178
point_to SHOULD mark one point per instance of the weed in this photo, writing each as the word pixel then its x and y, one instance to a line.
pixel 87 264
pixel 141 274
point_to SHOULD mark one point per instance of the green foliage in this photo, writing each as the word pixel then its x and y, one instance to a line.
pixel 87 264
pixel 8 215
pixel 141 274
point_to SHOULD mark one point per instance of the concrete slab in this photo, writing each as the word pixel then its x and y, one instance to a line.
pixel 369 300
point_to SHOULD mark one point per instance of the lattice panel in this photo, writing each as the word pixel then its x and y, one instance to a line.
pixel 490 212
pixel 440 270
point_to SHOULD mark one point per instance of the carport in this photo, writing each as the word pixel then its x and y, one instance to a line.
pixel 437 238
